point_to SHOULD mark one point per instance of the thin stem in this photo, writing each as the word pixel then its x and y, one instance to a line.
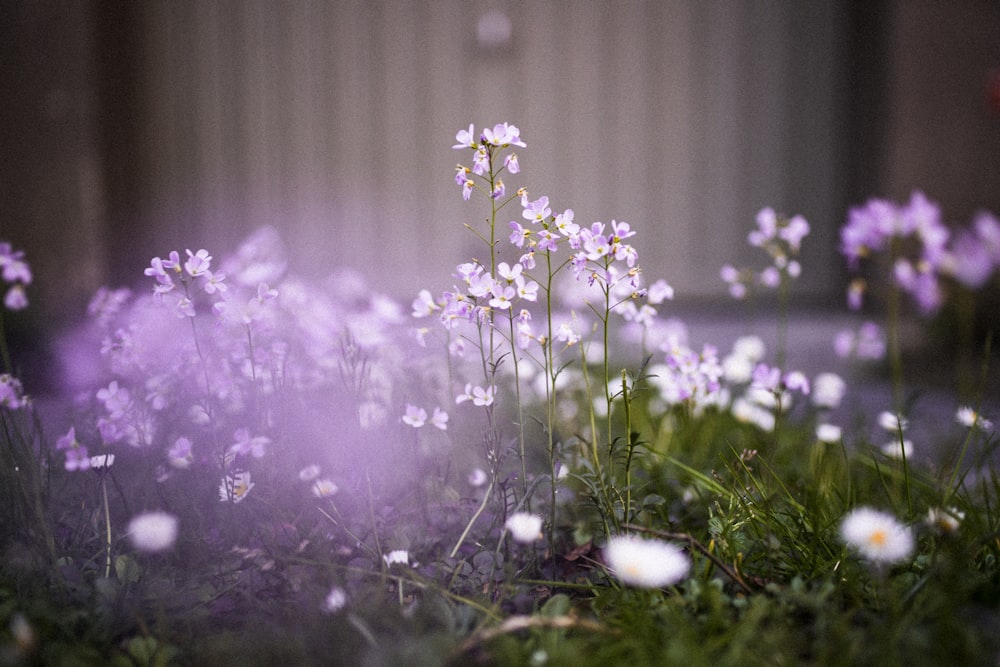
pixel 107 526
pixel 479 510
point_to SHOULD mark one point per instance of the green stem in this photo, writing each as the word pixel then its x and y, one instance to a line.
pixel 107 526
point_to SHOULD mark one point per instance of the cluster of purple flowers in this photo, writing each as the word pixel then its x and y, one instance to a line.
pixel 917 241
pixel 602 261
pixel 206 352
pixel 17 274
pixel 781 238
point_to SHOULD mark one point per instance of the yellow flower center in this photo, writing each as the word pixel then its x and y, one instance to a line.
pixel 878 538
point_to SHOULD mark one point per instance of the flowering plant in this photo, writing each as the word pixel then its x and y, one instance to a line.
pixel 262 469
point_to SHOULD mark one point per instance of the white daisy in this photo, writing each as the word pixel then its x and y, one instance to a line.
pixel 524 527
pixel 876 535
pixel 645 563
pixel 153 531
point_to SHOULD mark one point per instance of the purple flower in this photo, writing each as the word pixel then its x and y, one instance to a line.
pixel 969 261
pixel 77 458
pixel 245 444
pixel 466 138
pixel 16 299
pixel 537 211
pixel 414 416
pixel 197 263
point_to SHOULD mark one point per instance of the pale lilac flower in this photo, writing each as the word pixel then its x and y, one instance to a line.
pixel 828 390
pixel 16 298
pixel 180 455
pixel 987 228
pixel 502 135
pixel 247 444
pixel 439 419
pixel 462 180
pixel 335 600
pixel 524 527
pixel 480 163
pixel 537 211
pixel 645 563
pixel 309 473
pixel 153 531
pixel 876 535
pixel 483 397
pixel 77 458
pixel 750 347
pixel 467 138
pixel 68 440
pixel 414 416
pixel 766 377
pixel 796 381
pixel 737 369
pixel 564 223
pixel 526 289
pixel 477 477
pixel 767 227
pixel 566 333
pixel 511 164
pixel 519 234
pixel 197 263
pixel 770 277
pixel 868 343
pixel 324 488
pixel 794 231
pixel 751 412
pixel 158 270
pixel 503 296
pixel 12 392
pixel 659 292
pixel 115 399
pixel 13 268
pixel 214 282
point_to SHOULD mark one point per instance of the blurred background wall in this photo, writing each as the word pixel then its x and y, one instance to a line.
pixel 130 129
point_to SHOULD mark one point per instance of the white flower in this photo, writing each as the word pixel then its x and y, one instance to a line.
pixel 335 600
pixel 891 422
pixel 969 418
pixel 828 433
pixel 323 488
pixel 235 487
pixel 309 473
pixel 895 450
pixel 477 477
pixel 401 556
pixel 645 563
pixel 876 535
pixel 944 521
pixel 439 419
pixel 524 527
pixel 102 460
pixel 415 416
pixel 828 390
pixel 751 348
pixel 153 531
pixel 737 369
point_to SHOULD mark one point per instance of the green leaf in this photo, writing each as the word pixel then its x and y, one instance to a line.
pixel 127 569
